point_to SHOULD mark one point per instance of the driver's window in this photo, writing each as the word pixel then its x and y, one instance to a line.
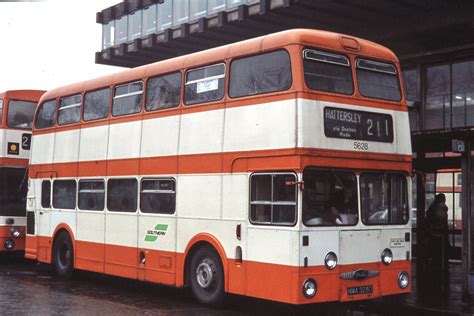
pixel 329 198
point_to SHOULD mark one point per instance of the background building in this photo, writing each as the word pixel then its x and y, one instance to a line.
pixel 434 40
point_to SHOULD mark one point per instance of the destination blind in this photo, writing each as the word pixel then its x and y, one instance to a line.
pixel 359 125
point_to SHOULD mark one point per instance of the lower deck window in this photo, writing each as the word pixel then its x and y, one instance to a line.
pixel 64 194
pixel 273 199
pixel 384 199
pixel 122 195
pixel 91 195
pixel 329 198
pixel 158 196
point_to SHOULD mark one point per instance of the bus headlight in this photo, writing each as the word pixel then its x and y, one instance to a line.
pixel 9 244
pixel 15 232
pixel 331 260
pixel 310 288
pixel 387 256
pixel 403 280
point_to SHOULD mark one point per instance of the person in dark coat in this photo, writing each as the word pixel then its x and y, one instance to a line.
pixel 437 240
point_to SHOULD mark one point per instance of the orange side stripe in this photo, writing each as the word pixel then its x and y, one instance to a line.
pixel 280 159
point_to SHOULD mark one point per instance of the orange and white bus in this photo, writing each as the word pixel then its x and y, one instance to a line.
pixel 276 168
pixel 17 108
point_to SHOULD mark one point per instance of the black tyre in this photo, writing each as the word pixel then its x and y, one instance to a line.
pixel 206 276
pixel 63 255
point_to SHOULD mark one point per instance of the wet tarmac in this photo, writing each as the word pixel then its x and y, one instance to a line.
pixel 27 288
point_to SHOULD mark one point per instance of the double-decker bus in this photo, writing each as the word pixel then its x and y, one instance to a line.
pixel 17 108
pixel 276 168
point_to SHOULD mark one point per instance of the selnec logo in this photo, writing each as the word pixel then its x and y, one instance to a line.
pixel 160 230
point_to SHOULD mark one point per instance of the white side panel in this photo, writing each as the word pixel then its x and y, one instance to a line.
pixel 235 196
pixel 66 147
pixel 121 229
pixel 124 140
pixel 42 148
pixel 93 143
pixel 272 245
pixel 222 230
pixel 201 132
pixel 67 217
pixel 199 196
pixel 157 232
pixel 261 127
pixel 91 226
pixel 160 137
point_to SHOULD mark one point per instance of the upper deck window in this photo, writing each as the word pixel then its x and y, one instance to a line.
pixel 20 114
pixel 204 84
pixel 70 109
pixel 378 80
pixel 127 98
pixel 163 92
pixel 46 115
pixel 327 72
pixel 262 73
pixel 384 199
pixel 329 198
pixel 96 104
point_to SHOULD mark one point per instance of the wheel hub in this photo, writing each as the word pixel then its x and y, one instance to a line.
pixel 205 273
pixel 64 255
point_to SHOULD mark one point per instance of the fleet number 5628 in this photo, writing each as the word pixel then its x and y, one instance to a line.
pixel 361 146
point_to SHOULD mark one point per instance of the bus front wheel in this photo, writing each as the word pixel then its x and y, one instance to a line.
pixel 63 255
pixel 207 276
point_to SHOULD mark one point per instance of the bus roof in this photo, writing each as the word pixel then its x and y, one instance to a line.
pixel 323 39
pixel 26 95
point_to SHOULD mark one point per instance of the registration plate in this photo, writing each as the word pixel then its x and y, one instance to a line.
pixel 363 289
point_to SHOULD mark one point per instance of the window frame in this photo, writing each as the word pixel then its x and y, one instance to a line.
pixel 356 174
pixel 8 112
pixel 185 83
pixel 50 195
pixel 142 92
pixel 107 196
pixel 329 54
pixel 38 110
pixel 140 190
pixel 84 104
pixel 181 91
pixel 59 108
pixel 271 223
pixel 374 61
pixel 253 55
pixel 391 173
pixel 75 195
pixel 104 192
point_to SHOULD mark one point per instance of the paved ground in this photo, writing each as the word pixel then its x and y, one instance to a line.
pixel 27 288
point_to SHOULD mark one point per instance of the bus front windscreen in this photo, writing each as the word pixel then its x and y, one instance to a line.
pixel 20 114
pixel 13 188
pixel 378 80
pixel 329 197
pixel 384 199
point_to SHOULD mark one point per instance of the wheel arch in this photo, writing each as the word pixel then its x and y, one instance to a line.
pixel 194 244
pixel 59 229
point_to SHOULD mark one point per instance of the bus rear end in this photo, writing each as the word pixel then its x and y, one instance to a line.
pixel 16 115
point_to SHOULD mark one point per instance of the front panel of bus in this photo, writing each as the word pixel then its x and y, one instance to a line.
pixel 355 198
pixel 15 139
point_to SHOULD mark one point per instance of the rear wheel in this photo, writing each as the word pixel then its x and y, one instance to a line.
pixel 63 255
pixel 207 276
